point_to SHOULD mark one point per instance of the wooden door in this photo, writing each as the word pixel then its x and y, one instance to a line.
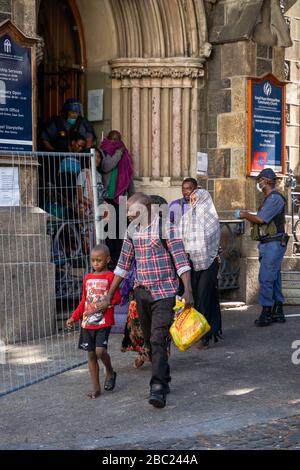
pixel 60 75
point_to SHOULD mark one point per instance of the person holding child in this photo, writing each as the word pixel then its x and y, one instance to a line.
pixel 96 323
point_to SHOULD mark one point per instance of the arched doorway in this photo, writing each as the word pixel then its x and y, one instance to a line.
pixel 60 74
pixel 153 54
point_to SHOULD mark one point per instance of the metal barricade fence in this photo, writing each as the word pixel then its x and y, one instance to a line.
pixel 230 254
pixel 46 232
pixel 47 228
pixel 294 209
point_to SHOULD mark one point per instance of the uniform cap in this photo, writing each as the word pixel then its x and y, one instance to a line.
pixel 267 173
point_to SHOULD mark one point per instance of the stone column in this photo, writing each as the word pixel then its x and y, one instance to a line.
pixel 145 144
pixel 155 132
pixel 116 104
pixel 177 119
pixel 163 119
pixel 126 111
pixel 165 132
pixel 186 104
pixel 135 129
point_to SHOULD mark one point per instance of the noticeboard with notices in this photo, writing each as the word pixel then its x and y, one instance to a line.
pixel 266 124
pixel 16 89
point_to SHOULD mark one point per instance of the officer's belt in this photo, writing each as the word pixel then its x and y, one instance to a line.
pixel 276 238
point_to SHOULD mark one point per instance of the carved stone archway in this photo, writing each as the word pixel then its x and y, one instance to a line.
pixel 161 50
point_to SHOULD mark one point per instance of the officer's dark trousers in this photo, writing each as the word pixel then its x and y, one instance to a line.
pixel 156 318
pixel 270 257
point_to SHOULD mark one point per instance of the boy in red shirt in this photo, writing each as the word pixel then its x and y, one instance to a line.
pixel 96 325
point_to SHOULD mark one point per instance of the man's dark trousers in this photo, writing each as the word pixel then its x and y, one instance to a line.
pixel 156 318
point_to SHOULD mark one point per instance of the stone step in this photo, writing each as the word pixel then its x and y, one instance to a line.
pixel 28 306
pixel 27 220
pixel 23 248
pixel 27 325
pixel 290 276
pixel 24 285
pixel 291 287
pixel 290 264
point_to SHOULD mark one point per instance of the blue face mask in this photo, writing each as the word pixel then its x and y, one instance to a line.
pixel 72 121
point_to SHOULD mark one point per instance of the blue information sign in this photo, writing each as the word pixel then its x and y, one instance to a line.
pixel 15 96
pixel 267 116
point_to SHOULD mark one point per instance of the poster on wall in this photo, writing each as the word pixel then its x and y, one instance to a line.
pixel 95 105
pixel 16 132
pixel 266 124
pixel 9 187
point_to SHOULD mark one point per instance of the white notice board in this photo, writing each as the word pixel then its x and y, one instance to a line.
pixel 95 105
pixel 202 163
pixel 9 187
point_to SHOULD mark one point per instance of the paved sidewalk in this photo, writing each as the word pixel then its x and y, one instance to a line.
pixel 244 392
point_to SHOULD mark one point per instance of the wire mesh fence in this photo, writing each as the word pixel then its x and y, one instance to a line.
pixel 47 230
pixel 48 226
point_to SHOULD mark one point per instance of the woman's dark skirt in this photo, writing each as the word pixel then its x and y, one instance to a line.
pixel 206 298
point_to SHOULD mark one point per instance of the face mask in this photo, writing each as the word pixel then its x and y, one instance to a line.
pixel 72 121
pixel 259 188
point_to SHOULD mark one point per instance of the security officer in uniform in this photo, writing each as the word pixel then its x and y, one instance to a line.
pixel 56 136
pixel 268 227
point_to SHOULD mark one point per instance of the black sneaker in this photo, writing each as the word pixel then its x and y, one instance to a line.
pixel 157 399
pixel 265 317
pixel 277 313
pixel 157 396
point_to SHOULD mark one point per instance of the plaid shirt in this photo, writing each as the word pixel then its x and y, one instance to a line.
pixel 154 267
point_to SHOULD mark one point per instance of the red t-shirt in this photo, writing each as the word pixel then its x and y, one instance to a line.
pixel 95 287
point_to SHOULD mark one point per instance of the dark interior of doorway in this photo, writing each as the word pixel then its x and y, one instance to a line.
pixel 60 73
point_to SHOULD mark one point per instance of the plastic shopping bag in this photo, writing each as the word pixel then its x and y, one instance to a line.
pixel 188 327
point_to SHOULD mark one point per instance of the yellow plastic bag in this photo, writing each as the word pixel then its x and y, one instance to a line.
pixel 188 327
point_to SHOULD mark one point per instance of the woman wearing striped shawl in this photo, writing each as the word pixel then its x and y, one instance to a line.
pixel 200 229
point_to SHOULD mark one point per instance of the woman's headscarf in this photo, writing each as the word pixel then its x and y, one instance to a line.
pixel 200 230
pixel 124 173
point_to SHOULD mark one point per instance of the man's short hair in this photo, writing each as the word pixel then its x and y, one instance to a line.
pixel 101 247
pixel 159 200
pixel 190 180
pixel 140 198
pixel 75 136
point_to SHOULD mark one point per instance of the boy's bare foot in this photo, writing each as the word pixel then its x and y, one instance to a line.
pixel 93 395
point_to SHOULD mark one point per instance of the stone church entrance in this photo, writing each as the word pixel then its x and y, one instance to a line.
pixel 149 58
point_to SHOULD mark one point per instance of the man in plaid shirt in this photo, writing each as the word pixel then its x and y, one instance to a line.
pixel 157 261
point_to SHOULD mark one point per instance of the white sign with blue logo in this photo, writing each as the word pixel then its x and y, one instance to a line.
pixel 15 96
